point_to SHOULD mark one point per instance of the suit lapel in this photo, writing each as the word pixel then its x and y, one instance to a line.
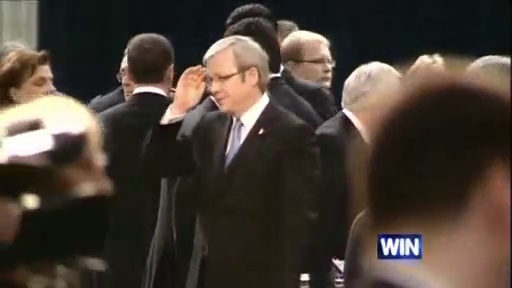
pixel 221 136
pixel 254 139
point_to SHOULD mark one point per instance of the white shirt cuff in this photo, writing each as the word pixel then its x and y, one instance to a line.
pixel 170 117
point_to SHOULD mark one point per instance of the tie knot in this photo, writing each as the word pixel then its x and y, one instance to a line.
pixel 238 123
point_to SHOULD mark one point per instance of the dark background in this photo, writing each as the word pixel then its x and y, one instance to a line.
pixel 86 38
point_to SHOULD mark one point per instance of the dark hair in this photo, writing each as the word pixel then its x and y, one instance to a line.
pixel 262 33
pixel 149 57
pixel 252 10
pixel 285 27
pixel 434 148
pixel 16 67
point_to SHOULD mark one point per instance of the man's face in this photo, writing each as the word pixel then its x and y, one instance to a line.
pixel 124 80
pixel 40 83
pixel 229 86
pixel 316 64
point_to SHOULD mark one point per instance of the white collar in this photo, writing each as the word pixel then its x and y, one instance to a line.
pixel 149 89
pixel 250 116
pixel 273 75
pixel 359 125
pixel 215 101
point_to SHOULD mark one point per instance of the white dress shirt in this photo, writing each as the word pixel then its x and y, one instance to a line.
pixel 249 118
pixel 359 126
pixel 273 75
pixel 149 89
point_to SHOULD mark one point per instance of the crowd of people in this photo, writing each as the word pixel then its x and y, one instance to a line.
pixel 245 172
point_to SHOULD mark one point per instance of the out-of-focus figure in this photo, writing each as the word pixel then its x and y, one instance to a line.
pixel 53 192
pixel 440 167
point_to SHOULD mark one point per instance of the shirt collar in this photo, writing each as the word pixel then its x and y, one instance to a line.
pixel 273 75
pixel 149 89
pixel 359 125
pixel 250 117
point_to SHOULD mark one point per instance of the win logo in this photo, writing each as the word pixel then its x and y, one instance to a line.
pixel 399 246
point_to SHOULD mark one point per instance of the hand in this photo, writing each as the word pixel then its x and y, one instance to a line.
pixel 189 90
pixel 427 63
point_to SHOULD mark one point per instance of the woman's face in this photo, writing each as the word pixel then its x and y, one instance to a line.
pixel 41 83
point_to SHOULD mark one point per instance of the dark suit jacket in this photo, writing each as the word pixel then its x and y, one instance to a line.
pixel 103 102
pixel 171 247
pixel 320 98
pixel 334 206
pixel 255 212
pixel 282 94
pixel 135 203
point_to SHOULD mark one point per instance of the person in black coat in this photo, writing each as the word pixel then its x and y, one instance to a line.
pixel 246 196
pixel 150 60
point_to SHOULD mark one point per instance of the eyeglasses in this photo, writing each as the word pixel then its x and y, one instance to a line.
pixel 120 76
pixel 222 79
pixel 328 62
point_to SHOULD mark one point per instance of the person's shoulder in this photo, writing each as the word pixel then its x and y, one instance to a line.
pixel 331 126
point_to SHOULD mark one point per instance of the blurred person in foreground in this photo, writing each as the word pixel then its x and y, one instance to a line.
pixel 10 46
pixel 54 191
pixel 436 171
pixel 25 74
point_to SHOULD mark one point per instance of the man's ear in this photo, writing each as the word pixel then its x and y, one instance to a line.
pixel 170 73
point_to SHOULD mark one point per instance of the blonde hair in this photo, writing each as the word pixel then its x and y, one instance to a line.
pixel 292 46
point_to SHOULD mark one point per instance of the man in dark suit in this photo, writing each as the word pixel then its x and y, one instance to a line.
pixel 150 63
pixel 317 96
pixel 173 239
pixel 119 95
pixel 256 166
pixel 337 136
pixel 438 172
pixel 261 31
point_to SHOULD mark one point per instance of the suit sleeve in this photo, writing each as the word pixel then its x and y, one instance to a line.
pixel 301 168
pixel 333 198
pixel 164 155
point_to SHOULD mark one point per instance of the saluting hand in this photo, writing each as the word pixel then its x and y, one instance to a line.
pixel 189 90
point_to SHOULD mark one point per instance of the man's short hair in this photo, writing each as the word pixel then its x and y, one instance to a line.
pixel 285 28
pixel 260 30
pixel 292 47
pixel 252 10
pixel 10 46
pixel 435 147
pixel 149 58
pixel 364 81
pixel 247 54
